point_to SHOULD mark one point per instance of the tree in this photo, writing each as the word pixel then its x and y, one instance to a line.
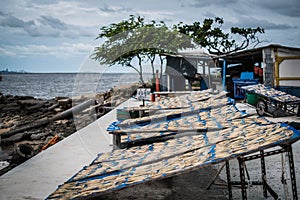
pixel 135 39
pixel 210 36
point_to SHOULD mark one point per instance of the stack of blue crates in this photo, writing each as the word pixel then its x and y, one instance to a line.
pixel 246 78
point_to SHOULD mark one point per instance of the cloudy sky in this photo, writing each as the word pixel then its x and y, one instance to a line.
pixel 58 36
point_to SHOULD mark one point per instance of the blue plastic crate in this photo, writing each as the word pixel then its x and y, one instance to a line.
pixel 239 93
pixel 247 75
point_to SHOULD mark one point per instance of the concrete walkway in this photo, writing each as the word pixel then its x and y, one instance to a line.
pixel 40 176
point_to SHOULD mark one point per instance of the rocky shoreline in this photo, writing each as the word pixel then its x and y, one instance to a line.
pixel 29 125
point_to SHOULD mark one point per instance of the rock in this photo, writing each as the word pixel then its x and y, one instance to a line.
pixel 35 107
pixel 9 124
pixel 52 107
pixel 14 138
pixel 58 110
pixel 27 124
pixel 64 121
pixel 64 103
pixel 4 130
pixel 99 98
pixel 2 98
pixel 59 98
pixel 39 136
pixel 11 108
pixel 30 102
pixel 24 97
pixel 27 149
pixel 3 164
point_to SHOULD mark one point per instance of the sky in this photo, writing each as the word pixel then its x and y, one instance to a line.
pixel 59 36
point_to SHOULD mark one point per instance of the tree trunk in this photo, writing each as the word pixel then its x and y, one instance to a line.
pixel 161 69
pixel 152 66
pixel 141 69
pixel 140 74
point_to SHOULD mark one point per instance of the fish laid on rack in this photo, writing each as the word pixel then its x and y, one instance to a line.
pixel 184 101
pixel 193 108
pixel 136 135
pixel 123 168
pixel 237 134
pixel 205 120
pixel 179 102
pixel 271 93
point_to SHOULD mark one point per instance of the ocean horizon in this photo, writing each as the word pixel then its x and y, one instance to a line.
pixel 55 84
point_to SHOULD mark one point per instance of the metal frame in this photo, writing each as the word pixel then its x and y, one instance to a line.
pixel 266 188
pixel 277 108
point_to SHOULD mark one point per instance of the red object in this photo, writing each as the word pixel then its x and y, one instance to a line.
pixel 260 72
pixel 53 141
pixel 157 83
pixel 152 97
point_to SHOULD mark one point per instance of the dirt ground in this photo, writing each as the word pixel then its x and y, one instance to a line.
pixel 190 186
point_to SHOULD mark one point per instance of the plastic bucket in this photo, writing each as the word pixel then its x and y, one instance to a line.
pixel 252 98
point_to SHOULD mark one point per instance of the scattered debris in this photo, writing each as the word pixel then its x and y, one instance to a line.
pixel 29 125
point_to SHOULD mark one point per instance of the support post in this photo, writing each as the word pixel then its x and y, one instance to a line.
pixel 116 140
pixel 228 180
pixel 263 173
pixel 292 171
pixel 224 75
pixel 242 177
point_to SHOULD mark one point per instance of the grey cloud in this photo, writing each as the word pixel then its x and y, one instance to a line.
pixel 30 27
pixel 206 3
pixel 289 8
pixel 53 22
pixel 44 26
pixel 11 21
pixel 274 26
pixel 47 2
pixel 111 9
pixel 38 31
pixel 267 25
pixel 209 14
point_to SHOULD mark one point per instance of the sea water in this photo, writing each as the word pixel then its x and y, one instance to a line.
pixel 50 85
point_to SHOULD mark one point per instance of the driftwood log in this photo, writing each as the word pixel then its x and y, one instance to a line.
pixel 74 110
pixel 36 124
pixel 44 121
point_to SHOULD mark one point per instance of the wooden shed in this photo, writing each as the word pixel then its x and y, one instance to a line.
pixel 192 71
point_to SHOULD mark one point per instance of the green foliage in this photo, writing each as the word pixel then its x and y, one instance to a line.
pixel 135 39
pixel 210 36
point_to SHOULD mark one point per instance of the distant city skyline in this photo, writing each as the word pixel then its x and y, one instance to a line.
pixel 59 36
